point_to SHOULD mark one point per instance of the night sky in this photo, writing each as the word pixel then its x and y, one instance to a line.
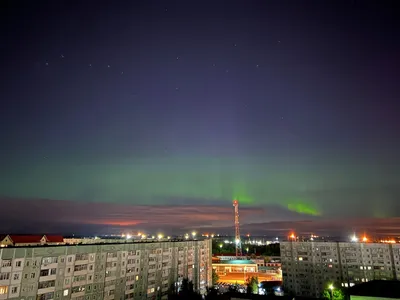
pixel 155 115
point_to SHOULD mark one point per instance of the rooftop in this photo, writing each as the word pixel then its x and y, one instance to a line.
pixel 237 262
pixel 377 288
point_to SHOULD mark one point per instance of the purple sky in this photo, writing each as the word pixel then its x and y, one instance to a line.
pixel 178 107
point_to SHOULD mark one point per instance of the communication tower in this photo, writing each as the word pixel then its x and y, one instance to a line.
pixel 238 241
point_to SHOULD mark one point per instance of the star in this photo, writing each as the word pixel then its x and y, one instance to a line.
pixel 108 66
pixel 177 57
pixel 122 73
pixel 234 45
pixel 213 65
pixel 279 41
pixel 257 66
pixel 90 65
pixel 62 56
pixel 47 64
pixel 227 71
pixel 177 89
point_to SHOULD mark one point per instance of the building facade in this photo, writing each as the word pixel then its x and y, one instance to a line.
pixel 143 270
pixel 309 267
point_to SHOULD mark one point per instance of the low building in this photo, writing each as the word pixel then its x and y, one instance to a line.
pixel 235 266
pixel 30 240
pixel 376 289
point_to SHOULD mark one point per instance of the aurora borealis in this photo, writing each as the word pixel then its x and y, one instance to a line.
pixel 151 114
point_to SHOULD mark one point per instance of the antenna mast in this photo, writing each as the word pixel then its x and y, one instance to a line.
pixel 238 241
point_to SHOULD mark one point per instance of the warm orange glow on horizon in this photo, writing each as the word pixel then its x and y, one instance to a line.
pixel 292 236
pixel 388 241
pixel 114 223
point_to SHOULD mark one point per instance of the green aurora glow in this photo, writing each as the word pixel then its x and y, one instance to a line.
pixel 180 181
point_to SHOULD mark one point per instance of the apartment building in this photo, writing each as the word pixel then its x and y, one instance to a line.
pixel 309 267
pixel 143 270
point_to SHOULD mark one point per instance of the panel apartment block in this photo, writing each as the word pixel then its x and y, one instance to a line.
pixel 309 267
pixel 143 270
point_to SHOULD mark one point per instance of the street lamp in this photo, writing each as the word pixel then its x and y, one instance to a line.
pixel 331 288
pixel 194 234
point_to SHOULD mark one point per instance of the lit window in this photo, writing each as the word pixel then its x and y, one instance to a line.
pixel 65 292
pixel 3 290
pixel 300 258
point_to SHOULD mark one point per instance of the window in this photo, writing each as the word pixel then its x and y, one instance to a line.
pixel 65 293
pixel 16 276
pixel 6 263
pixel 4 276
pixel 14 290
pixel 80 268
pixel 32 275
pixel 49 260
pixel 3 290
pixel 18 263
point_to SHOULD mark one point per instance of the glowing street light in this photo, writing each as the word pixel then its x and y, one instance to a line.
pixel 160 236
pixel 292 236
pixel 221 245
pixel 354 238
pixel 194 234
pixel 128 236
pixel 331 288
pixel 365 239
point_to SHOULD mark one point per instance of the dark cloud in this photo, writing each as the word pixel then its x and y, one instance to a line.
pixel 67 217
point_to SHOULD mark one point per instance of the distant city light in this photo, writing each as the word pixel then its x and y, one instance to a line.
pixel 194 234
pixel 292 236
pixel 388 241
pixel 128 236
pixel 331 287
pixel 365 239
pixel 354 238
pixel 160 236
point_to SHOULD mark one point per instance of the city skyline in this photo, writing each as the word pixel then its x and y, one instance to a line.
pixel 158 114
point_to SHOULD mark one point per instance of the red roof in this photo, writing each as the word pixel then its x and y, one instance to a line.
pixel 25 239
pixel 55 238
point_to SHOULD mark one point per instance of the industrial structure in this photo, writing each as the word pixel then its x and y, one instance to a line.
pixel 308 268
pixel 137 270
pixel 238 241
